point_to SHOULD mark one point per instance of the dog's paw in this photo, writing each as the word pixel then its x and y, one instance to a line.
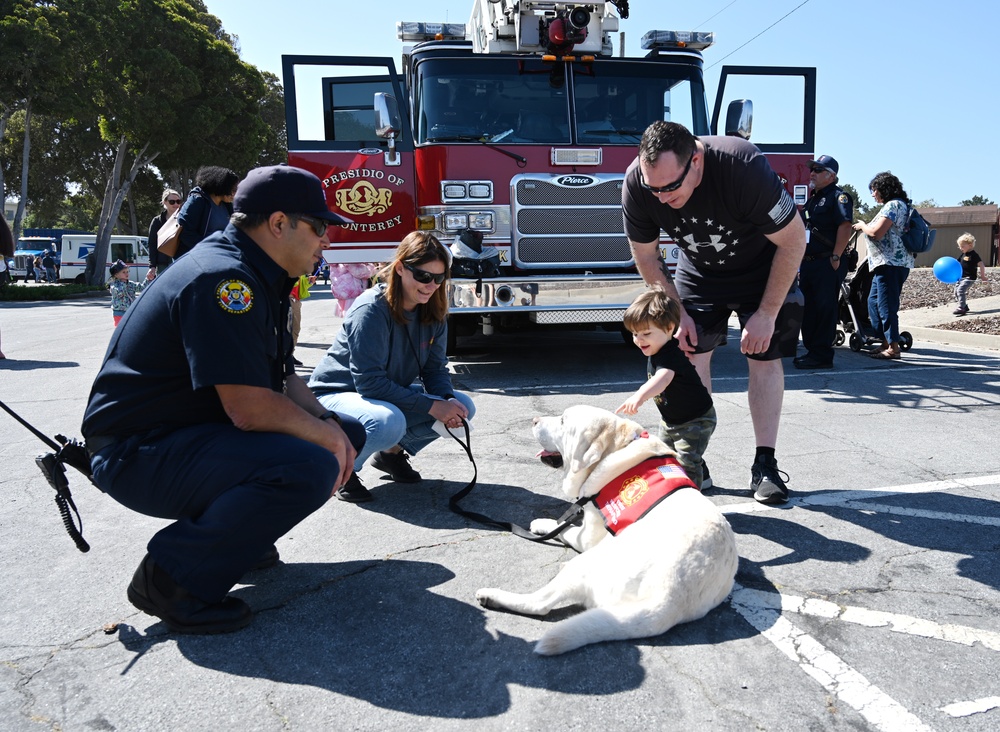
pixel 542 526
pixel 485 597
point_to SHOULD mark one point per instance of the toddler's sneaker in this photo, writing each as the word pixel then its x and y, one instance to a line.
pixel 706 478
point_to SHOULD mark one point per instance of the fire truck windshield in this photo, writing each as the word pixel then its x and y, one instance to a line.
pixel 526 100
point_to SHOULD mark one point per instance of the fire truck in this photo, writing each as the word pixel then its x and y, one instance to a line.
pixel 517 127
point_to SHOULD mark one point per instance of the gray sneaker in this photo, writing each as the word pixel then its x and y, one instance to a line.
pixel 766 483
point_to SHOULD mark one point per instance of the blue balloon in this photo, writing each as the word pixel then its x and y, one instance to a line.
pixel 948 270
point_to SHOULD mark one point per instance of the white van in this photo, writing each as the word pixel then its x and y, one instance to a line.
pixel 133 250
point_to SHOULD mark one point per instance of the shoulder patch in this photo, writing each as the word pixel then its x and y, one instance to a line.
pixel 844 198
pixel 235 296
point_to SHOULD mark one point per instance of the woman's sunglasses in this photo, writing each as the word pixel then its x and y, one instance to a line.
pixel 424 277
pixel 173 201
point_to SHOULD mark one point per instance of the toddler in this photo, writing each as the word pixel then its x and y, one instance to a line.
pixel 123 291
pixel 685 405
pixel 971 262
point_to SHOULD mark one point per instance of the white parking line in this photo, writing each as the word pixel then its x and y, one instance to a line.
pixel 851 687
pixel 968 708
pixel 854 498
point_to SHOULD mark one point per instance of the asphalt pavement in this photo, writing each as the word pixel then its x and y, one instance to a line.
pixel 870 602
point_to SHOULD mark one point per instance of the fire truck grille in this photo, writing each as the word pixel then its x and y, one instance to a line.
pixel 557 226
pixel 593 250
pixel 569 221
pixel 541 193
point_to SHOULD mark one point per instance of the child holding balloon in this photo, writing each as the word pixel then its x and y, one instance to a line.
pixel 972 265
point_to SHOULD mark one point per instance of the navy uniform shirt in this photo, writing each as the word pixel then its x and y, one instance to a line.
pixel 218 315
pixel 825 211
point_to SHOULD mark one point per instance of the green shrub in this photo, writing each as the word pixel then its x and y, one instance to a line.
pixel 22 293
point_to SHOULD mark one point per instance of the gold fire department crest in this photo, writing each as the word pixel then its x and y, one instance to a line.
pixel 363 198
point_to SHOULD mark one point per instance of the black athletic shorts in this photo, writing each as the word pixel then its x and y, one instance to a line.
pixel 712 324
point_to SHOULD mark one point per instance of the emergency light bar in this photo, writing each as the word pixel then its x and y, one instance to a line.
pixel 421 31
pixel 695 40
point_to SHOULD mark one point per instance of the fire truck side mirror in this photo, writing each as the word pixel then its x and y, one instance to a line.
pixel 739 118
pixel 387 123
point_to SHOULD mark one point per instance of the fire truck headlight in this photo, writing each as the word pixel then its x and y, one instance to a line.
pixel 480 190
pixel 454 221
pixel 481 221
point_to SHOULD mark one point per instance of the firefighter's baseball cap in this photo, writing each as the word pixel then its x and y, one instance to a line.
pixel 826 163
pixel 283 188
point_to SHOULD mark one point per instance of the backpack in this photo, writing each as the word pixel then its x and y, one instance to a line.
pixel 918 236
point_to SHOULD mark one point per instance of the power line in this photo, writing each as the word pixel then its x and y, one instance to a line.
pixel 804 2
pixel 702 23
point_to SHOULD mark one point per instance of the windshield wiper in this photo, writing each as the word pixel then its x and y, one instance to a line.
pixel 521 161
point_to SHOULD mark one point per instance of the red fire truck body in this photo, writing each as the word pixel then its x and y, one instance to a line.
pixel 499 128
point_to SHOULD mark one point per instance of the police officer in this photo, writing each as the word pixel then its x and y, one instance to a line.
pixel 197 414
pixel 828 212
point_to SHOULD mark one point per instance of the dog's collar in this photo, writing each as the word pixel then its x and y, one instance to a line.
pixel 634 493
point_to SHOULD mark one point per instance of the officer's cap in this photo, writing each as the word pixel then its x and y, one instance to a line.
pixel 286 189
pixel 826 163
pixel 117 267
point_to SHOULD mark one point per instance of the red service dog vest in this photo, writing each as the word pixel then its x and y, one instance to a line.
pixel 631 495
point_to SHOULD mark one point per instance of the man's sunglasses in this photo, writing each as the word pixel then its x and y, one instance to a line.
pixel 173 201
pixel 424 277
pixel 318 225
pixel 670 186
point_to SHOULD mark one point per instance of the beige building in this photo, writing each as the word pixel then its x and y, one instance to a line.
pixel 953 221
pixel 983 222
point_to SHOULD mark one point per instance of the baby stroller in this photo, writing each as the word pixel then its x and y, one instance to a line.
pixel 853 313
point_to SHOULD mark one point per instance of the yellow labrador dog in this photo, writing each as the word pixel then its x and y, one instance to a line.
pixel 672 566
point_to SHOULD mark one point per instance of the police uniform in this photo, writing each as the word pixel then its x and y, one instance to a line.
pixel 160 439
pixel 820 283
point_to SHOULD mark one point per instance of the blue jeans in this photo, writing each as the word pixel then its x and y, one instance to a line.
pixel 883 300
pixel 386 424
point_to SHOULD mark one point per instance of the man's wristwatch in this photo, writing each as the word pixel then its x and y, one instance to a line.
pixel 835 257
pixel 329 414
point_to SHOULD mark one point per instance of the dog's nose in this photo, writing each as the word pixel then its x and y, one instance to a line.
pixel 534 420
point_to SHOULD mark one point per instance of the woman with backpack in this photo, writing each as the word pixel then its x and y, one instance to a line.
pixel 208 206
pixel 889 261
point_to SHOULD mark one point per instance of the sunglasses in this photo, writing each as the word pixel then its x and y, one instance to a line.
pixel 173 201
pixel 318 225
pixel 424 277
pixel 670 186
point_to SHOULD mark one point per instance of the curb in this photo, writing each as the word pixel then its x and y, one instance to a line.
pixel 953 337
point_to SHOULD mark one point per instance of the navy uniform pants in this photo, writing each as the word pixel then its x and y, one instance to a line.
pixel 820 285
pixel 231 495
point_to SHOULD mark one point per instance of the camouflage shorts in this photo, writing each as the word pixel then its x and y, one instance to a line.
pixel 690 440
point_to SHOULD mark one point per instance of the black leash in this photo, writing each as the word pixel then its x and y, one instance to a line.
pixel 67 452
pixel 569 518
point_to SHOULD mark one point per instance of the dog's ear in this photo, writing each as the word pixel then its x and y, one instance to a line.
pixel 591 443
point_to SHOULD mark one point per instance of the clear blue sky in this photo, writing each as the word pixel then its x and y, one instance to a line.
pixel 909 87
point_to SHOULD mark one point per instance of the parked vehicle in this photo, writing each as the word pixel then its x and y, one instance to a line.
pixel 25 250
pixel 133 250
pixel 519 127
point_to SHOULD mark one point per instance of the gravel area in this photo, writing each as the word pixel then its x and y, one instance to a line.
pixel 922 289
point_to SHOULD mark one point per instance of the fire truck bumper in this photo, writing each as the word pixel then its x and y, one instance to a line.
pixel 593 299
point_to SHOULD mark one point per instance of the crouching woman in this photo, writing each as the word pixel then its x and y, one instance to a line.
pixel 388 366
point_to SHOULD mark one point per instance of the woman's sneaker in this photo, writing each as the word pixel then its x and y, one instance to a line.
pixel 766 482
pixel 354 491
pixel 397 465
